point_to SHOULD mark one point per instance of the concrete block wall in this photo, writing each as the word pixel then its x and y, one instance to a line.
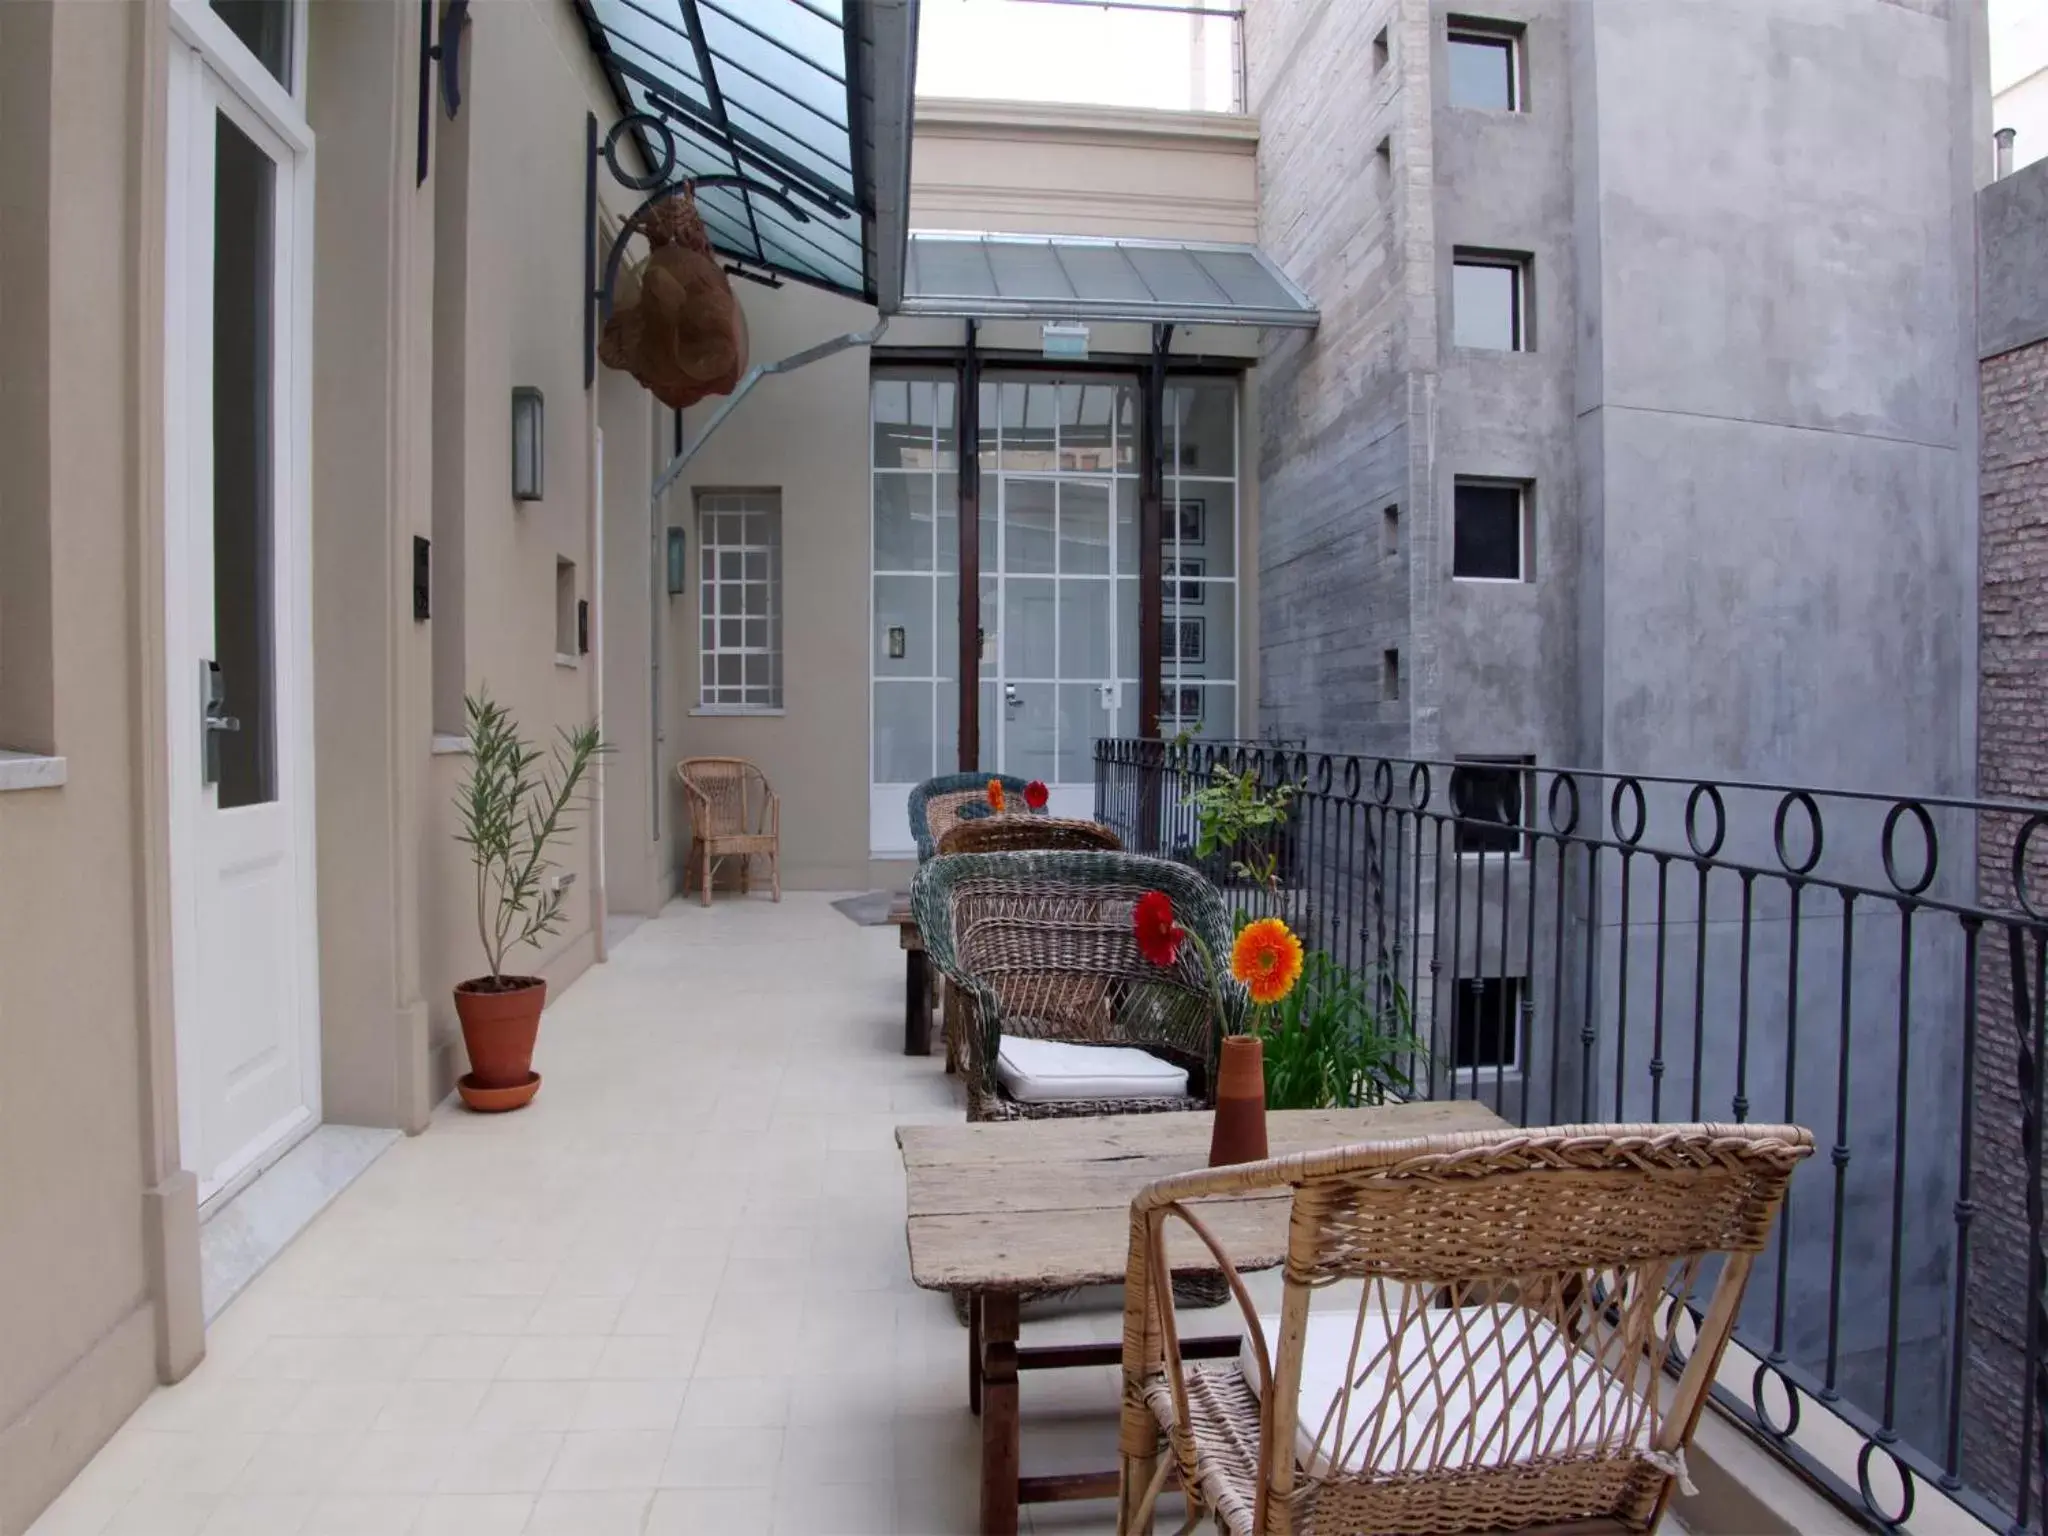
pixel 1336 447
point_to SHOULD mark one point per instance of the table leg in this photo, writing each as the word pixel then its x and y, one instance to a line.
pixel 974 1351
pixel 917 1011
pixel 999 1427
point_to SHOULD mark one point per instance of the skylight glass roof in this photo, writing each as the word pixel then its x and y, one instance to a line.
pixel 1073 277
pixel 781 92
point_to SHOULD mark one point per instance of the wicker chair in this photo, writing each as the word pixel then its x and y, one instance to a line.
pixel 1028 834
pixel 1040 946
pixel 733 814
pixel 1504 1365
pixel 935 804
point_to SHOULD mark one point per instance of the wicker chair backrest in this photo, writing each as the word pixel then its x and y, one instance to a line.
pixel 1023 834
pixel 731 795
pixel 935 804
pixel 1521 1294
pixel 1044 944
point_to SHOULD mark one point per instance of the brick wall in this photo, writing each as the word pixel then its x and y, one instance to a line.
pixel 2012 764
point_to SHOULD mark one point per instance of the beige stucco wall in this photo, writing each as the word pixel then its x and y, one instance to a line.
pixel 78 1133
pixel 1031 168
pixel 98 1295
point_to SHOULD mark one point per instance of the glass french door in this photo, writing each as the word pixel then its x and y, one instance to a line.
pixel 1059 585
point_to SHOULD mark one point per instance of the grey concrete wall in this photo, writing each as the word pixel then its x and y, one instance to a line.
pixel 1335 445
pixel 1503 655
pixel 2012 261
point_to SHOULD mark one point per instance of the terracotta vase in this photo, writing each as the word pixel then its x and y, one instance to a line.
pixel 1239 1135
pixel 498 1031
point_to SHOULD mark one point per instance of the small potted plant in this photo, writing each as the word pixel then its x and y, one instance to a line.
pixel 512 809
pixel 1266 957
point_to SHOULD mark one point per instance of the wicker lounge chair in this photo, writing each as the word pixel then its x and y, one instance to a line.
pixel 1503 1366
pixel 1040 951
pixel 935 804
pixel 733 814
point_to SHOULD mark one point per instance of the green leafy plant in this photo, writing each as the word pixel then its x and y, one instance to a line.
pixel 513 806
pixel 1329 1044
pixel 1238 818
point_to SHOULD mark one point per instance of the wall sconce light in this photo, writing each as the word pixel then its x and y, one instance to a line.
pixel 897 646
pixel 529 438
pixel 675 562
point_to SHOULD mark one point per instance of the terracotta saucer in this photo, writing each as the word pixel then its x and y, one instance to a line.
pixel 495 1101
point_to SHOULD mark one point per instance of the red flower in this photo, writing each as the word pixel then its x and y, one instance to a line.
pixel 1036 794
pixel 995 796
pixel 1157 933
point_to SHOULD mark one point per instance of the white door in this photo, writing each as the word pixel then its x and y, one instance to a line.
pixel 1063 608
pixel 238 626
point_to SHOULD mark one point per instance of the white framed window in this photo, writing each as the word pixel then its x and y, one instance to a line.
pixel 1490 300
pixel 739 594
pixel 1486 1024
pixel 1490 530
pixel 1485 64
pixel 1492 797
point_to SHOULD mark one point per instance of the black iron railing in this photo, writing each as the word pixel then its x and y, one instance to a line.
pixel 1581 945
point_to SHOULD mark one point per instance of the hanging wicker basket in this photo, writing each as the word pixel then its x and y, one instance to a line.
pixel 677 326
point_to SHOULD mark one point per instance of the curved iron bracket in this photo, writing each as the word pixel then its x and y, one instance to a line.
pixel 598 286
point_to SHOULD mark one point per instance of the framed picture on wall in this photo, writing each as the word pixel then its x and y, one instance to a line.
pixel 1183 581
pixel 1185 640
pixel 1187 703
pixel 1187 520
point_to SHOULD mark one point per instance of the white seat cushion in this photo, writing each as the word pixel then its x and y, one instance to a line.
pixel 1556 1398
pixel 1051 1071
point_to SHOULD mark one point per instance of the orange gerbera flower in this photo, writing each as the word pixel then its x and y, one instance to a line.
pixel 1267 959
pixel 995 796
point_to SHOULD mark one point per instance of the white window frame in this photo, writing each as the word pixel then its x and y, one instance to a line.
pixel 711 588
pixel 1523 518
pixel 1493 34
pixel 1507 1071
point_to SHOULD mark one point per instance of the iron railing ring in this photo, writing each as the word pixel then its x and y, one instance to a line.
pixel 1634 836
pixel 1918 812
pixel 1712 795
pixel 1806 803
pixel 1764 1417
pixel 1418 787
pixel 1382 781
pixel 1905 1512
pixel 662 170
pixel 2019 864
pixel 1564 826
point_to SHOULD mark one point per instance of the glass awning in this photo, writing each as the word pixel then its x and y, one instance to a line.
pixel 801 108
pixel 1077 277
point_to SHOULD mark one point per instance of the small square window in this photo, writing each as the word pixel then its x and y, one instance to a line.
pixel 1390 530
pixel 1485 65
pixel 1489 301
pixel 1487 1027
pixel 1390 675
pixel 1379 50
pixel 1491 797
pixel 565 608
pixel 1490 531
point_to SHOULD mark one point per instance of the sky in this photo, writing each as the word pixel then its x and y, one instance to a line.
pixel 1028 50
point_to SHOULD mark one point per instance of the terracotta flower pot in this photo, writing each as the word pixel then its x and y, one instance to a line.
pixel 1239 1135
pixel 499 1028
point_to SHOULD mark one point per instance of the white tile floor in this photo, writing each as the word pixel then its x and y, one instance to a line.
pixel 670 1297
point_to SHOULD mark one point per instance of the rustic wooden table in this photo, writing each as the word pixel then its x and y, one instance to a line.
pixel 1008 1208
pixel 917 1000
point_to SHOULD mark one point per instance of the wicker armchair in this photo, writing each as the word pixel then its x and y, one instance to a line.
pixel 1503 1366
pixel 1039 946
pixel 935 804
pixel 1028 834
pixel 733 814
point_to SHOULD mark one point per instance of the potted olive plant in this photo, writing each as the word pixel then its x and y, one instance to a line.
pixel 513 807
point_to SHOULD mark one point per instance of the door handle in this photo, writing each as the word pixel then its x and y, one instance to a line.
pixel 213 719
pixel 1011 697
